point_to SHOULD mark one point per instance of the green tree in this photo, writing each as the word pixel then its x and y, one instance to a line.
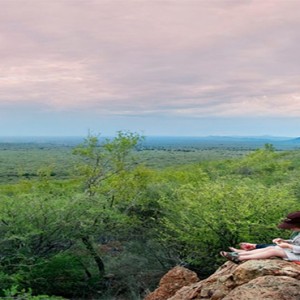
pixel 206 218
pixel 47 217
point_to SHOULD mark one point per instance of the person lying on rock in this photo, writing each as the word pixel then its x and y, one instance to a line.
pixel 251 246
pixel 285 249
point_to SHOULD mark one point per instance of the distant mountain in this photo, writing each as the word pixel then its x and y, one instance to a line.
pixel 172 142
pixel 217 139
pixel 220 142
pixel 295 140
pixel 249 138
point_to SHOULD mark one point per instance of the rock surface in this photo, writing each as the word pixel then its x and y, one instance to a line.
pixel 172 282
pixel 255 279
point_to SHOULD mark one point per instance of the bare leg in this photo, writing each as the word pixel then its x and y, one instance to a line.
pixel 256 251
pixel 264 253
pixel 238 250
pixel 247 252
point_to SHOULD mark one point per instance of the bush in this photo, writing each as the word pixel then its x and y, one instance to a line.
pixel 62 275
pixel 15 293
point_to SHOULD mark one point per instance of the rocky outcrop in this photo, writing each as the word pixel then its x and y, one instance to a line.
pixel 175 279
pixel 255 279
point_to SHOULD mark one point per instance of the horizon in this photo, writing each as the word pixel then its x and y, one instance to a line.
pixel 152 136
pixel 162 68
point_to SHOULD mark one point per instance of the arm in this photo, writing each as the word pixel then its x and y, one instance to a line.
pixel 280 240
pixel 285 245
pixel 295 249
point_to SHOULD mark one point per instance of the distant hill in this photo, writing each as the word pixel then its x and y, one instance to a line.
pixel 172 142
pixel 209 142
pixel 296 140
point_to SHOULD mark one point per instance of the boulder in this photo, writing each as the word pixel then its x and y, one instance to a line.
pixel 172 282
pixel 267 287
pixel 253 279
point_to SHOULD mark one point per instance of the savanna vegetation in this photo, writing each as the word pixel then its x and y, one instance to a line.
pixel 105 220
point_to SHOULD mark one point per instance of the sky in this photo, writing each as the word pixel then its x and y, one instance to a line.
pixel 155 67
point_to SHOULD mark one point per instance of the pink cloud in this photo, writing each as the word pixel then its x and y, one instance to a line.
pixel 194 58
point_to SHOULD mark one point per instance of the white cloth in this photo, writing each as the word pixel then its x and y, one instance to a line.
pixel 292 254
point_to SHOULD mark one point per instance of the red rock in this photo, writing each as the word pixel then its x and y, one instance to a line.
pixel 267 287
pixel 172 282
pixel 274 279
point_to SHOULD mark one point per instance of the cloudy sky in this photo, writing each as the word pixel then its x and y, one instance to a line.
pixel 157 67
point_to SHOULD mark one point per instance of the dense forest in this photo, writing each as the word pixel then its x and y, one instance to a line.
pixel 106 219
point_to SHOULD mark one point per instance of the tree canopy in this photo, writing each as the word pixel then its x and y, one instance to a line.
pixel 115 225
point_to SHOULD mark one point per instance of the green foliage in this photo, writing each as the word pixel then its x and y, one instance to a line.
pixel 14 293
pixel 207 216
pixel 116 225
pixel 21 161
pixel 62 274
pixel 264 164
pixel 6 282
pixel 136 269
pixel 103 160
